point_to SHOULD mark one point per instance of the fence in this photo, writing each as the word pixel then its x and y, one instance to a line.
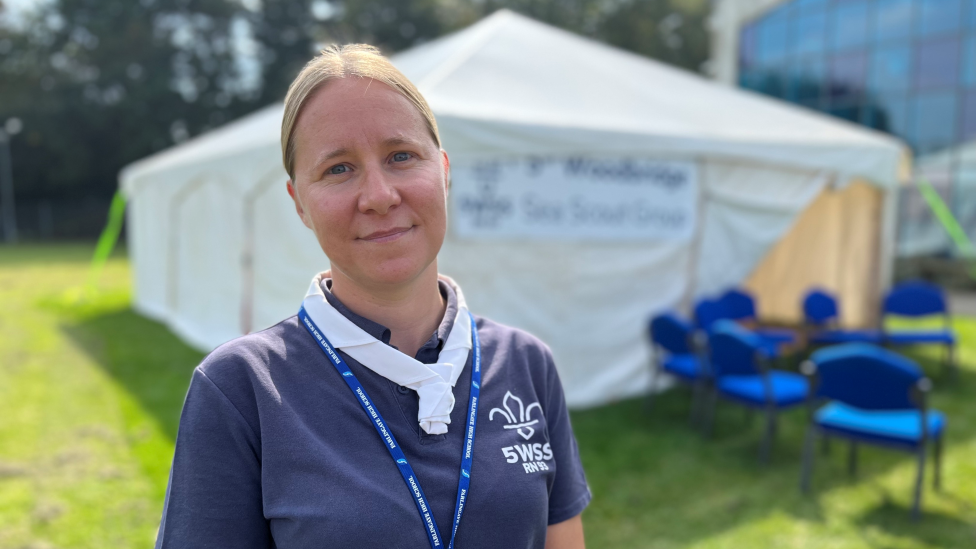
pixel 61 219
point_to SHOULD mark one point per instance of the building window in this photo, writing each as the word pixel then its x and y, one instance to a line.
pixel 811 4
pixel 937 63
pixel 969 62
pixel 806 82
pixel 888 113
pixel 747 47
pixel 810 34
pixel 849 25
pixel 933 117
pixel 891 69
pixel 848 73
pixel 893 19
pixel 939 16
pixel 773 33
pixel 969 117
pixel 902 66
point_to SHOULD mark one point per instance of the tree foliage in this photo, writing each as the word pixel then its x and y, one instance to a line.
pixel 101 83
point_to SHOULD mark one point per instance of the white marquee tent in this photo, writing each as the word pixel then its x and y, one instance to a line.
pixel 764 198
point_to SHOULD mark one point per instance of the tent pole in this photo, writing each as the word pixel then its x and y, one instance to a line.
pixel 691 288
pixel 173 244
pixel 247 267
pixel 249 248
pixel 888 242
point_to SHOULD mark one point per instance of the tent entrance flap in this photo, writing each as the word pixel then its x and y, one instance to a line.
pixel 835 244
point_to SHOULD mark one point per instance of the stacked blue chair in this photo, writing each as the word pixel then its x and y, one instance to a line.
pixel 873 396
pixel 741 307
pixel 708 312
pixel 676 353
pixel 917 300
pixel 739 361
pixel 822 317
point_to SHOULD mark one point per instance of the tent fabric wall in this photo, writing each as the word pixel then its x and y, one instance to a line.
pixel 219 250
pixel 591 302
pixel 285 255
pixel 834 245
pixel 747 209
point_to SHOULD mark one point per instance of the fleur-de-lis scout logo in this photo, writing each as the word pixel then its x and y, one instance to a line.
pixel 523 422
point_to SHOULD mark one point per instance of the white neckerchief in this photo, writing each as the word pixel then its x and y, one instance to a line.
pixel 433 382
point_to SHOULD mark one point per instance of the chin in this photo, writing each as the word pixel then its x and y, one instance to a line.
pixel 396 271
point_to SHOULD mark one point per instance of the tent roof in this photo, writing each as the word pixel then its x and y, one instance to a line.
pixel 948 158
pixel 510 69
pixel 259 129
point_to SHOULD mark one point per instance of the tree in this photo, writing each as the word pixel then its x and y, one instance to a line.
pixel 101 83
pixel 668 31
pixel 672 31
pixel 289 31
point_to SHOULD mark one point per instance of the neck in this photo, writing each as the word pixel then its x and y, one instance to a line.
pixel 412 310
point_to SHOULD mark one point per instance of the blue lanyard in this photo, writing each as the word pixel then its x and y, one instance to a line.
pixel 464 479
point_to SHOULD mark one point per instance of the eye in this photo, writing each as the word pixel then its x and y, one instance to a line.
pixel 338 169
pixel 401 157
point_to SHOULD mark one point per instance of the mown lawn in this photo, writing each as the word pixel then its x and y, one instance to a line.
pixel 90 395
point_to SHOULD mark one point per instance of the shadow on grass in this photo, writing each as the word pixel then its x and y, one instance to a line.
pixel 933 528
pixel 656 481
pixel 151 363
pixel 652 475
pixel 39 253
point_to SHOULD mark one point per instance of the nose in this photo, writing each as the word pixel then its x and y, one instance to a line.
pixel 378 193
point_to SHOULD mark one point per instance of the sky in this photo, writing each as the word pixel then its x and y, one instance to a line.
pixel 17 7
pixel 22 3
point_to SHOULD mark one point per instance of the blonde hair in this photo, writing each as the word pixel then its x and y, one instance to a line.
pixel 335 62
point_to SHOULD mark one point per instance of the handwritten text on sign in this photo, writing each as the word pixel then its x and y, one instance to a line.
pixel 575 199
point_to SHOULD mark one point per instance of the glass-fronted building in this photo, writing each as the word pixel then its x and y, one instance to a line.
pixel 907 67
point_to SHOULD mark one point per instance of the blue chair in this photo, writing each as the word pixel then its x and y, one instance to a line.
pixel 739 362
pixel 873 396
pixel 676 353
pixel 822 316
pixel 710 311
pixel 741 307
pixel 916 300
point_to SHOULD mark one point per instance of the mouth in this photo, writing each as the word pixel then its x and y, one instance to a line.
pixel 387 235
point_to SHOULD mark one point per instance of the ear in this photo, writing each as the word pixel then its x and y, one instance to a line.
pixel 293 193
pixel 447 171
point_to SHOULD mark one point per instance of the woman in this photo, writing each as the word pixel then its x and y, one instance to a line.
pixel 339 427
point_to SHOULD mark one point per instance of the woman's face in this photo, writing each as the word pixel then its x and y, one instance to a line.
pixel 370 182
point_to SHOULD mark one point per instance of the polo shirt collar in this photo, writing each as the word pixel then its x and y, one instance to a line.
pixel 428 351
pixel 433 382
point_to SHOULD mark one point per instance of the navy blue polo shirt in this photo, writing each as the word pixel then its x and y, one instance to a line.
pixel 274 451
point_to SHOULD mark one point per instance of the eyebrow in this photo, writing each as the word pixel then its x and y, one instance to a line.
pixel 329 156
pixel 393 141
pixel 390 142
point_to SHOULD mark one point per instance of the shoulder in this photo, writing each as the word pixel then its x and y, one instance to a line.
pixel 507 339
pixel 517 356
pixel 245 362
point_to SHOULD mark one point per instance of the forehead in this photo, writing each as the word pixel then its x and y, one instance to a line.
pixel 354 108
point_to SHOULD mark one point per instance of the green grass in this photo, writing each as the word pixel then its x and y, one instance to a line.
pixel 90 395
